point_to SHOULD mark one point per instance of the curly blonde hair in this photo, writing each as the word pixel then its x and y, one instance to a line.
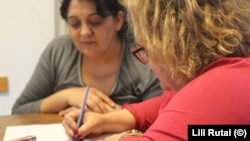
pixel 184 36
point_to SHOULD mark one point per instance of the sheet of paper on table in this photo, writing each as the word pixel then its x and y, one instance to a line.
pixel 43 132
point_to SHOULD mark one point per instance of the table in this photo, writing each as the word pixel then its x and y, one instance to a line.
pixel 25 119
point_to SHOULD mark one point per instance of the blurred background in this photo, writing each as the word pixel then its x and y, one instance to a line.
pixel 26 27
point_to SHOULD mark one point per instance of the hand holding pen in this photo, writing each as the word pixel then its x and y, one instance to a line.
pixel 79 120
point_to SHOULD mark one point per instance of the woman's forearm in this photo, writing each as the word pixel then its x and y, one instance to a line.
pixel 121 120
pixel 54 103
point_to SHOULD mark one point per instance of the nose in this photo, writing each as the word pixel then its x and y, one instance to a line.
pixel 86 30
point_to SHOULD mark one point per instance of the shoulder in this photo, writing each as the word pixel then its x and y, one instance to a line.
pixel 226 69
pixel 225 77
pixel 61 41
pixel 61 44
pixel 59 49
pixel 221 91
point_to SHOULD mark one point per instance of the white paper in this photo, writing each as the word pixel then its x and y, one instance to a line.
pixel 43 132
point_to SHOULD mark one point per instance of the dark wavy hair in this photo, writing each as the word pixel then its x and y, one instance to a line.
pixel 104 8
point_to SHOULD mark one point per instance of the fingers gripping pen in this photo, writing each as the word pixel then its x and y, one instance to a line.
pixel 79 120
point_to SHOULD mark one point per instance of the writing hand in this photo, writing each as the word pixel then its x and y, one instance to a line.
pixel 91 127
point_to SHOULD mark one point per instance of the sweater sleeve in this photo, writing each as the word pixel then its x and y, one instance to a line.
pixel 146 112
pixel 39 86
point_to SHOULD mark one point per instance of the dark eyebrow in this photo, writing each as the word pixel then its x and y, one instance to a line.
pixel 92 14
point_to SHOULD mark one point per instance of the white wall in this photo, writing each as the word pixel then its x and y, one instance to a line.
pixel 26 27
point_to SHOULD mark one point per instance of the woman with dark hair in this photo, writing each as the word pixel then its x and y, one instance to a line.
pixel 199 51
pixel 96 53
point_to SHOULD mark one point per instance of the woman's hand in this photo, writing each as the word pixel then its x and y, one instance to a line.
pixel 66 111
pixel 95 124
pixel 97 101
pixel 92 124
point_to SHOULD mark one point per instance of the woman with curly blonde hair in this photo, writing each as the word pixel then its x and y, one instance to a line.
pixel 199 51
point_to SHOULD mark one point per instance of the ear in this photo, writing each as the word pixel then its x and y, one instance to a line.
pixel 119 20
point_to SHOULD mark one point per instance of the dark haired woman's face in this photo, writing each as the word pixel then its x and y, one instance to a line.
pixel 92 34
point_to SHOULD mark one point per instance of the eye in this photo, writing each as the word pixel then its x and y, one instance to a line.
pixel 74 22
pixel 75 25
pixel 95 23
pixel 95 20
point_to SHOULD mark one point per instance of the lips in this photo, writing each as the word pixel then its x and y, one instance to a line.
pixel 87 42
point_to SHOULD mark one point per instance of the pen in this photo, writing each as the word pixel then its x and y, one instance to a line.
pixel 79 120
pixel 26 138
